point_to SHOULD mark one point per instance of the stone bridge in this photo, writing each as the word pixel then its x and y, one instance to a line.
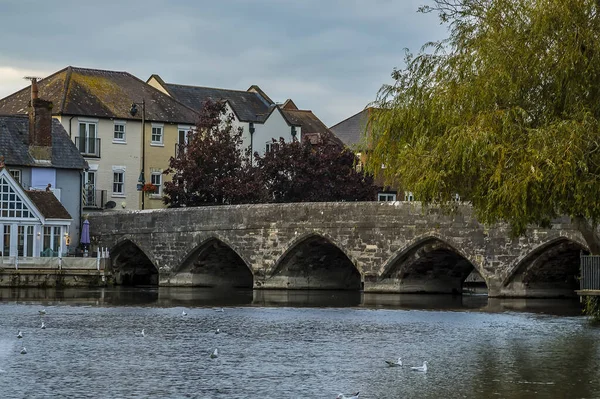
pixel 396 247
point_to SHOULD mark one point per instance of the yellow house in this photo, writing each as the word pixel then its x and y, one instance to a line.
pixel 102 111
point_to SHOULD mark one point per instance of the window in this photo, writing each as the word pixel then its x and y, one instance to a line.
pixel 25 241
pixel 6 241
pixel 88 142
pixel 11 205
pixel 51 238
pixel 16 174
pixel 119 133
pixel 157 134
pixel 386 197
pixel 156 179
pixel 118 182
pixel 408 196
pixel 271 146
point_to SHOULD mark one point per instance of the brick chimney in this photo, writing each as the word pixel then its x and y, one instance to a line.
pixel 40 125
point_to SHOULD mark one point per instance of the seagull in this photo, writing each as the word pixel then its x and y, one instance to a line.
pixel 218 331
pixel 219 310
pixel 23 351
pixel 43 326
pixel 43 311
pixel 19 335
pixel 352 396
pixel 422 368
pixel 183 313
pixel 143 334
pixel 215 354
pixel 392 363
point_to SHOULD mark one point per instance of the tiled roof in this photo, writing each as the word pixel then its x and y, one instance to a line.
pixel 48 204
pixel 14 133
pixel 102 94
pixel 351 130
pixel 248 106
pixel 310 125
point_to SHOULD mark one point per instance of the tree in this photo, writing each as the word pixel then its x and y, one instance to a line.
pixel 505 111
pixel 211 168
pixel 303 172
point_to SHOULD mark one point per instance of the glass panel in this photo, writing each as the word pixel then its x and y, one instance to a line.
pixel 6 241
pixel 47 238
pixel 21 241
pixel 29 241
pixel 56 240
pixel 9 200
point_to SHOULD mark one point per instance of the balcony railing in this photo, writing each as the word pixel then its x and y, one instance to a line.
pixel 93 198
pixel 88 147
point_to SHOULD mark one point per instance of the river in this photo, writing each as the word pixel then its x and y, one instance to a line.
pixel 285 344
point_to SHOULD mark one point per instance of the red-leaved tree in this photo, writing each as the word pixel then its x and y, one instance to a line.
pixel 212 169
pixel 303 172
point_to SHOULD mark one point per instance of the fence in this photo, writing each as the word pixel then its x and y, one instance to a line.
pixel 590 272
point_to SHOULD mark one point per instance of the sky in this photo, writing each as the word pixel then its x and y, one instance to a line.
pixel 329 56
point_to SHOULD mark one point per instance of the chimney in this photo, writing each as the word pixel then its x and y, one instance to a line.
pixel 40 125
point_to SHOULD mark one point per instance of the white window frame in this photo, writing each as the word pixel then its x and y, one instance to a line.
pixel 17 175
pixel 409 196
pixel 386 197
pixel 161 135
pixel 118 170
pixel 153 177
pixel 271 146
pixel 88 147
pixel 124 132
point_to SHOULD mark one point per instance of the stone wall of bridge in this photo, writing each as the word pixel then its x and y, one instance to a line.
pixel 375 246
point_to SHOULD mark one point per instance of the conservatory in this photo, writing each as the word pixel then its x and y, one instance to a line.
pixel 32 223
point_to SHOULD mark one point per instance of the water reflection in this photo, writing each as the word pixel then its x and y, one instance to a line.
pixel 202 297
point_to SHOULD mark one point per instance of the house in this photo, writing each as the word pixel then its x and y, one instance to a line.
pixel 40 183
pixel 102 112
pixel 260 118
pixel 312 128
pixel 354 133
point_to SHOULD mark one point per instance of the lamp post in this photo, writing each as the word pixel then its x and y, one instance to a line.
pixel 251 129
pixel 133 111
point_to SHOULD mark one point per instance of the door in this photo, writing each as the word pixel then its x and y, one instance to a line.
pixel 89 188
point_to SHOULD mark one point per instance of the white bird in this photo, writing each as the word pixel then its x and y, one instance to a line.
pixel 43 311
pixel 215 354
pixel 218 331
pixel 392 363
pixel 352 396
pixel 19 335
pixel 43 326
pixel 183 313
pixel 143 333
pixel 219 310
pixel 23 351
pixel 422 368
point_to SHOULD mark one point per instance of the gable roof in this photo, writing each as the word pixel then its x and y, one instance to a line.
pixel 102 94
pixel 249 106
pixel 352 129
pixel 48 205
pixel 14 133
pixel 311 125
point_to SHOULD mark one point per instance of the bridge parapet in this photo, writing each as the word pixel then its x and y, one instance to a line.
pixel 391 245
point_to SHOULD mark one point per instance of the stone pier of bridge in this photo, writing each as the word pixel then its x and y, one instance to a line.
pixel 393 247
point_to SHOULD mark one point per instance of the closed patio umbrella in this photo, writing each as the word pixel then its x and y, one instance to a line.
pixel 85 235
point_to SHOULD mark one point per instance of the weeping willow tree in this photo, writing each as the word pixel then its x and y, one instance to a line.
pixel 504 112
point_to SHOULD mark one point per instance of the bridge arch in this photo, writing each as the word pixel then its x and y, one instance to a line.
pixel 314 261
pixel 429 264
pixel 214 262
pixel 131 264
pixel 550 269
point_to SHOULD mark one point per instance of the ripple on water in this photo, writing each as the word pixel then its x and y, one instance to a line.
pixel 289 352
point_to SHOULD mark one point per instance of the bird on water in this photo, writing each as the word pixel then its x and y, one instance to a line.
pixel 392 363
pixel 19 335
pixel 422 369
pixel 351 396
